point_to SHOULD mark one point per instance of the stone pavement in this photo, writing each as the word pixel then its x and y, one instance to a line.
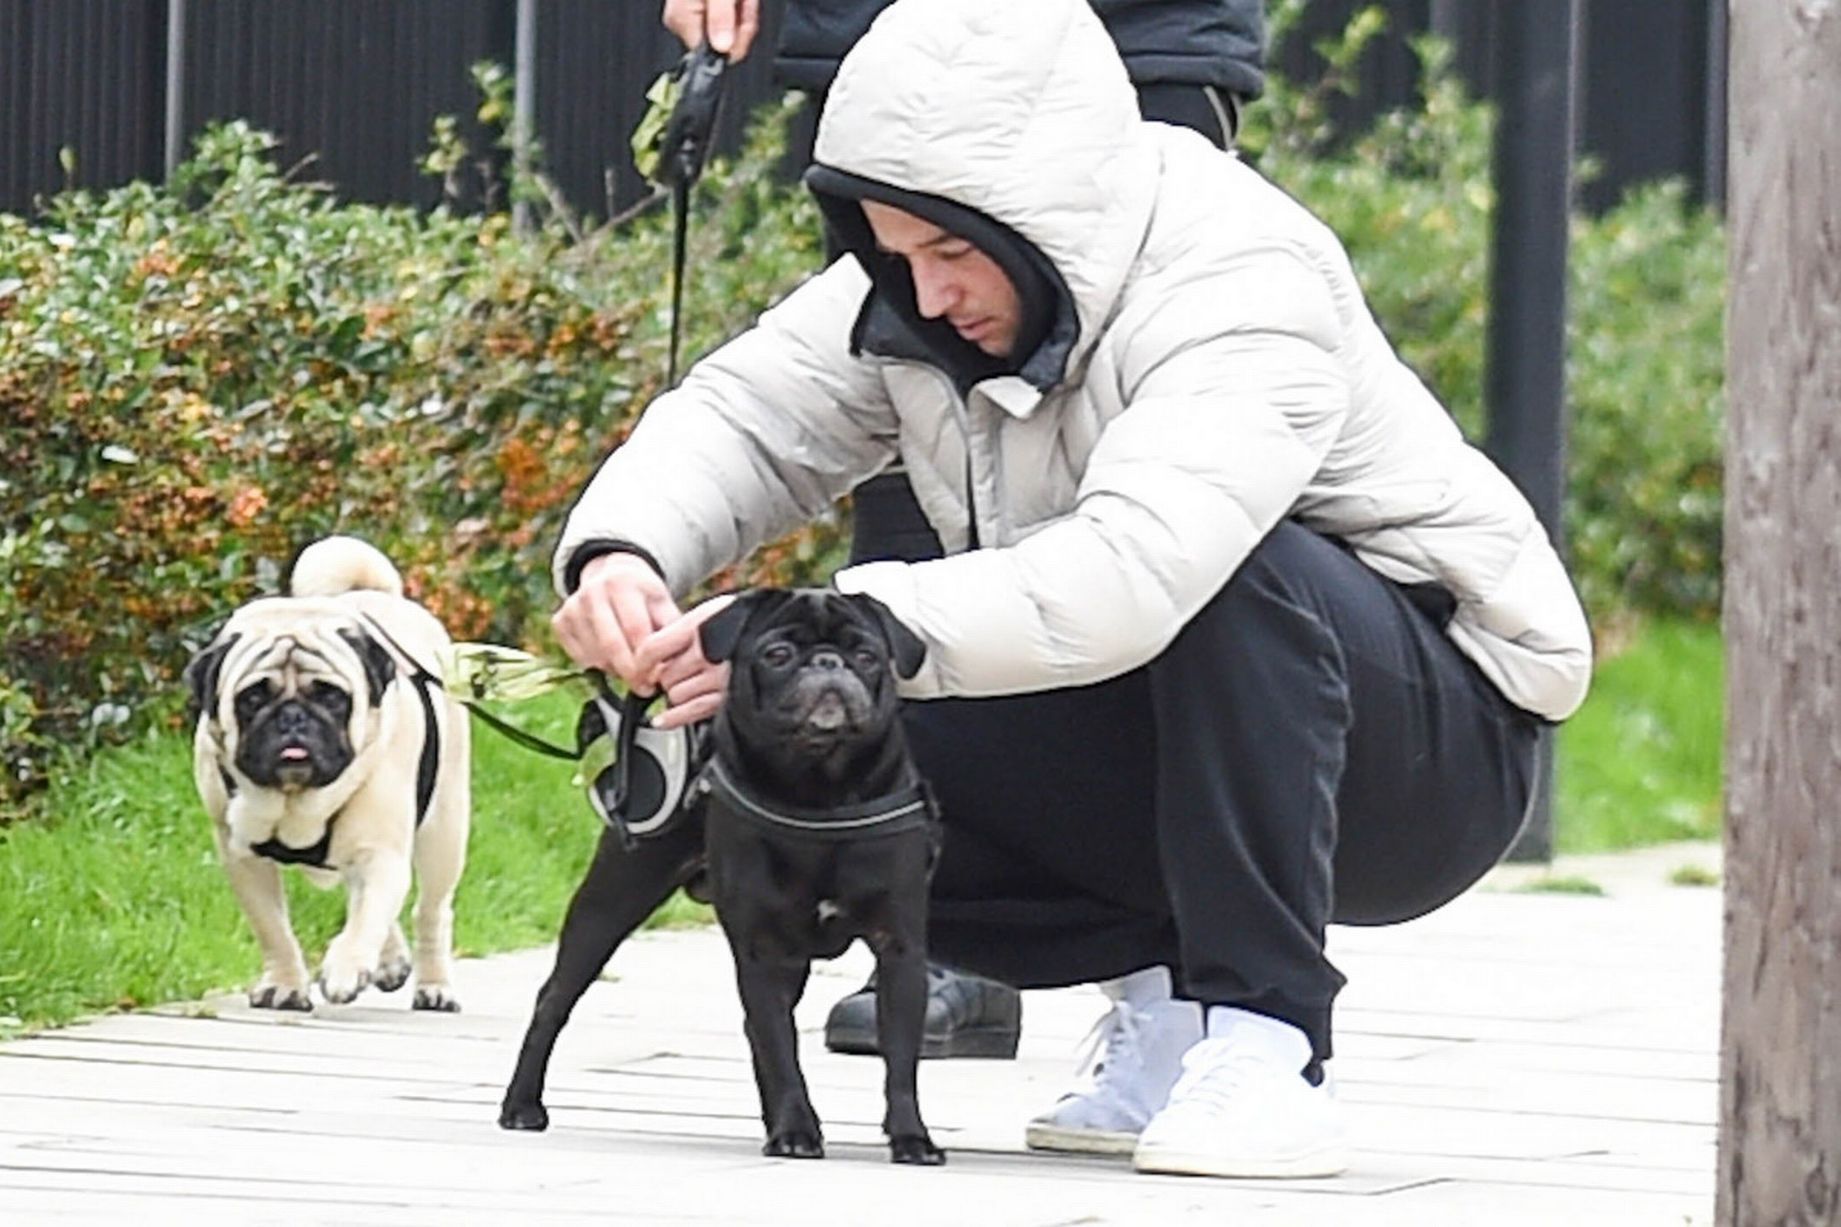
pixel 1516 1058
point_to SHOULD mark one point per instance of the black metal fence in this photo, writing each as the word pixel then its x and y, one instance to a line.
pixel 357 84
pixel 354 84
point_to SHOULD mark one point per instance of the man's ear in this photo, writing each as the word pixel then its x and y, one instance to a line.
pixel 200 676
pixel 721 634
pixel 906 649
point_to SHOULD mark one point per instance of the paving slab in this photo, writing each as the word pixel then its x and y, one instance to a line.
pixel 1515 1058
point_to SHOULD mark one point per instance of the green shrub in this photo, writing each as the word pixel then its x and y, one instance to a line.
pixel 200 378
pixel 1646 382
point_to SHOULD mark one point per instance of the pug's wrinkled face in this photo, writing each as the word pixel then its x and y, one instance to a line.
pixel 821 671
pixel 290 707
pixel 293 728
pixel 813 672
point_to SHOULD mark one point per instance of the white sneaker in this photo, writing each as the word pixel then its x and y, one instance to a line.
pixel 1133 1057
pixel 1242 1108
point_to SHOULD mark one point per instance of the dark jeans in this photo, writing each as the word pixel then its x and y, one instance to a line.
pixel 1310 748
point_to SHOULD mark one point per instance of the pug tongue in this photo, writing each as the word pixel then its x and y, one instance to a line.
pixel 293 754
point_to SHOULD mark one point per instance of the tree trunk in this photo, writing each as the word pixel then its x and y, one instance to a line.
pixel 1780 1112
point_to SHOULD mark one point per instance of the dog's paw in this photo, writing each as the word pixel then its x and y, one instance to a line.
pixel 266 996
pixel 391 975
pixel 919 1151
pixel 794 1144
pixel 527 1117
pixel 436 997
pixel 341 986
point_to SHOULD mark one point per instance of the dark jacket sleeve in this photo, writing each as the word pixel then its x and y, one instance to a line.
pixel 1198 42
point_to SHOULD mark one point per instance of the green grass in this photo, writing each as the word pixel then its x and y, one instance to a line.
pixel 1640 763
pixel 1693 875
pixel 1561 884
pixel 116 898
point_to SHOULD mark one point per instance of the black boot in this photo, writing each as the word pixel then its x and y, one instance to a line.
pixel 967 1016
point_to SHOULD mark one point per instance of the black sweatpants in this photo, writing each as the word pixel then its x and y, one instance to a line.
pixel 1310 748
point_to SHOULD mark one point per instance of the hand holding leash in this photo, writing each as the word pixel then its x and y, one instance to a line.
pixel 729 25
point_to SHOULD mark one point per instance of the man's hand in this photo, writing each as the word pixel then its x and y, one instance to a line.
pixel 730 25
pixel 620 603
pixel 693 686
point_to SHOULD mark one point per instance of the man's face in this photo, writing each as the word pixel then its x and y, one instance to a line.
pixel 952 278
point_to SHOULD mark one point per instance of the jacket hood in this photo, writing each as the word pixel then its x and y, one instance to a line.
pixel 1012 125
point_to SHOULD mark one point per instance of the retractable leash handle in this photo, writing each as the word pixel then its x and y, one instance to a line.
pixel 642 790
pixel 690 129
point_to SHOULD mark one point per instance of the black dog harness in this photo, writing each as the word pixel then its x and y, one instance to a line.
pixel 315 856
pixel 427 766
pixel 895 813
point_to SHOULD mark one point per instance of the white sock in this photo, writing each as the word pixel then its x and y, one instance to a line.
pixel 1145 987
pixel 1283 1044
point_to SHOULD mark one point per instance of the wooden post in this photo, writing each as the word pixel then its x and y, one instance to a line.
pixel 1780 1110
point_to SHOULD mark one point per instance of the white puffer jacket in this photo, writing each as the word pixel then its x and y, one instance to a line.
pixel 1227 374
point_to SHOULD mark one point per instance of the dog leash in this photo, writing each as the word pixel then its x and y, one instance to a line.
pixel 671 153
pixel 632 802
pixel 424 678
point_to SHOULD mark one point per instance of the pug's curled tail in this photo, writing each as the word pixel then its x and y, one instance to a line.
pixel 333 565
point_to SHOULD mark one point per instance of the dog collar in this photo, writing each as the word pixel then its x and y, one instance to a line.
pixel 907 809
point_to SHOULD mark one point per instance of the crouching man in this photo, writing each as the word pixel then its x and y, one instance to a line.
pixel 1235 635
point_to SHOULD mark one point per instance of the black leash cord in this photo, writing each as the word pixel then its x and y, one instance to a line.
pixel 680 232
pixel 632 715
pixel 518 736
pixel 423 678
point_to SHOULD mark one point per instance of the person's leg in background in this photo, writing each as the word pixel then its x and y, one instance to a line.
pixel 1050 875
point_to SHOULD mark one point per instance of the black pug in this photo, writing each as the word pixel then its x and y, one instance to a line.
pixel 815 829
